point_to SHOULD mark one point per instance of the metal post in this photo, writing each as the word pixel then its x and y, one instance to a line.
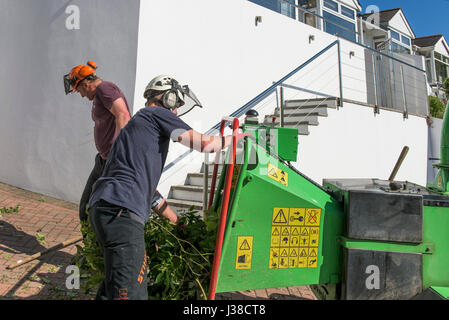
pixel 403 93
pixel 426 95
pixel 375 82
pixel 205 182
pixel 281 105
pixel 340 74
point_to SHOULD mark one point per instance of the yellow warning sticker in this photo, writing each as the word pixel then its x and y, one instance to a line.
pixel 244 252
pixel 313 217
pixel 277 174
pixel 295 238
pixel 297 216
pixel 280 216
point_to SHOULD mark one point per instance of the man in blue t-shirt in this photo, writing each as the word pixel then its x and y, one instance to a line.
pixel 121 199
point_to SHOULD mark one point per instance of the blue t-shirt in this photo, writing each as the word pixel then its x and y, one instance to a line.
pixel 137 157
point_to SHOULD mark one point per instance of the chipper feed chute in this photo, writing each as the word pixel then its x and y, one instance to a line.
pixel 349 239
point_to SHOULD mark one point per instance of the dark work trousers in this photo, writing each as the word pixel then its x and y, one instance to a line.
pixel 122 241
pixel 96 173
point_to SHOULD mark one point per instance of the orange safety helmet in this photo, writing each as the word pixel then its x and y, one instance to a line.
pixel 78 74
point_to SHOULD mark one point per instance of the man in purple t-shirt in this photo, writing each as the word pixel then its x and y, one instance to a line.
pixel 110 113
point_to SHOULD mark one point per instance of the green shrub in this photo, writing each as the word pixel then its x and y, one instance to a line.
pixel 437 107
pixel 179 259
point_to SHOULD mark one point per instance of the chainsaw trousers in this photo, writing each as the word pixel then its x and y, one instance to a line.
pixel 121 238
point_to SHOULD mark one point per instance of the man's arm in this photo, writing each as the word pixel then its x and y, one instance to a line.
pixel 164 210
pixel 203 142
pixel 121 114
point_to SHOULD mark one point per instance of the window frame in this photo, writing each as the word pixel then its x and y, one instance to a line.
pixel 352 21
pixel 348 9
pixel 331 8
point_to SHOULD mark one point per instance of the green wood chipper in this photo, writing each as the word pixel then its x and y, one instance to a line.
pixel 347 239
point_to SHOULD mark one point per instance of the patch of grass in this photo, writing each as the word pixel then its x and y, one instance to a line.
pixel 8 210
pixel 41 238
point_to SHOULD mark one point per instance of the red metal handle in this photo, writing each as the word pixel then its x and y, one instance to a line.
pixel 224 211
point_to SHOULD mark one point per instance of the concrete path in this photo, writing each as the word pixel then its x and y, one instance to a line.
pixel 41 222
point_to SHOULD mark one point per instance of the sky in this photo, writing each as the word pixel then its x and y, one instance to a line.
pixel 425 17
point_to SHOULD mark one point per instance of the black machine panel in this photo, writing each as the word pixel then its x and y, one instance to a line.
pixel 379 275
pixel 384 216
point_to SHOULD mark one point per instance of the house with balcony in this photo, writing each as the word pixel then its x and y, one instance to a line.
pixel 388 30
pixel 436 52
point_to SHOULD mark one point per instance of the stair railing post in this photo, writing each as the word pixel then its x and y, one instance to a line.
pixel 281 105
pixel 403 94
pixel 205 182
pixel 340 75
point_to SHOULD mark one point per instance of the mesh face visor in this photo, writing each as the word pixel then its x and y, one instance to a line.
pixel 68 84
pixel 191 101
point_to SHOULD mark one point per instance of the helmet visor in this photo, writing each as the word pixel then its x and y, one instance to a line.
pixel 190 101
pixel 68 84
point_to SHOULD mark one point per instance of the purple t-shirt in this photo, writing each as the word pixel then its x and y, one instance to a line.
pixel 104 129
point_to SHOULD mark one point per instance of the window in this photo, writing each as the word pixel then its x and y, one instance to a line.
pixel 395 47
pixel 348 12
pixel 405 40
pixel 429 71
pixel 331 5
pixel 278 6
pixel 269 4
pixel 395 35
pixel 307 4
pixel 441 67
pixel 441 70
pixel 287 9
pixel 338 26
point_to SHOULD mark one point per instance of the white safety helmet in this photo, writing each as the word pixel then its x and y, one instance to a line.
pixel 173 97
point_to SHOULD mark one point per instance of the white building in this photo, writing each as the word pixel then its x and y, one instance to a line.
pixel 436 51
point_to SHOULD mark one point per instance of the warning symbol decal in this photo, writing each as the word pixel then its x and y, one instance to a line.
pixel 245 245
pixel 277 174
pixel 244 252
pixel 295 238
pixel 280 216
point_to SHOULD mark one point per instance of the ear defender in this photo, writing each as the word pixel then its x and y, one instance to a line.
pixel 171 99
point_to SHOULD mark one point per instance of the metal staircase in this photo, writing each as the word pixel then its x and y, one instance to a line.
pixel 297 114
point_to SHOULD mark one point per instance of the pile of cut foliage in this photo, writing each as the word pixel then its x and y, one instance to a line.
pixel 179 259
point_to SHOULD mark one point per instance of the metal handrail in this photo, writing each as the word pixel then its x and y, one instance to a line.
pixel 247 106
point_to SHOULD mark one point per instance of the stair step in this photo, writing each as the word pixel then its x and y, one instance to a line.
pixel 295 119
pixel 189 193
pixel 184 205
pixel 300 111
pixel 330 103
pixel 197 179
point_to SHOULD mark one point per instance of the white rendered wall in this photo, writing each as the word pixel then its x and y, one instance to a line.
pixel 352 142
pixel 46 137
